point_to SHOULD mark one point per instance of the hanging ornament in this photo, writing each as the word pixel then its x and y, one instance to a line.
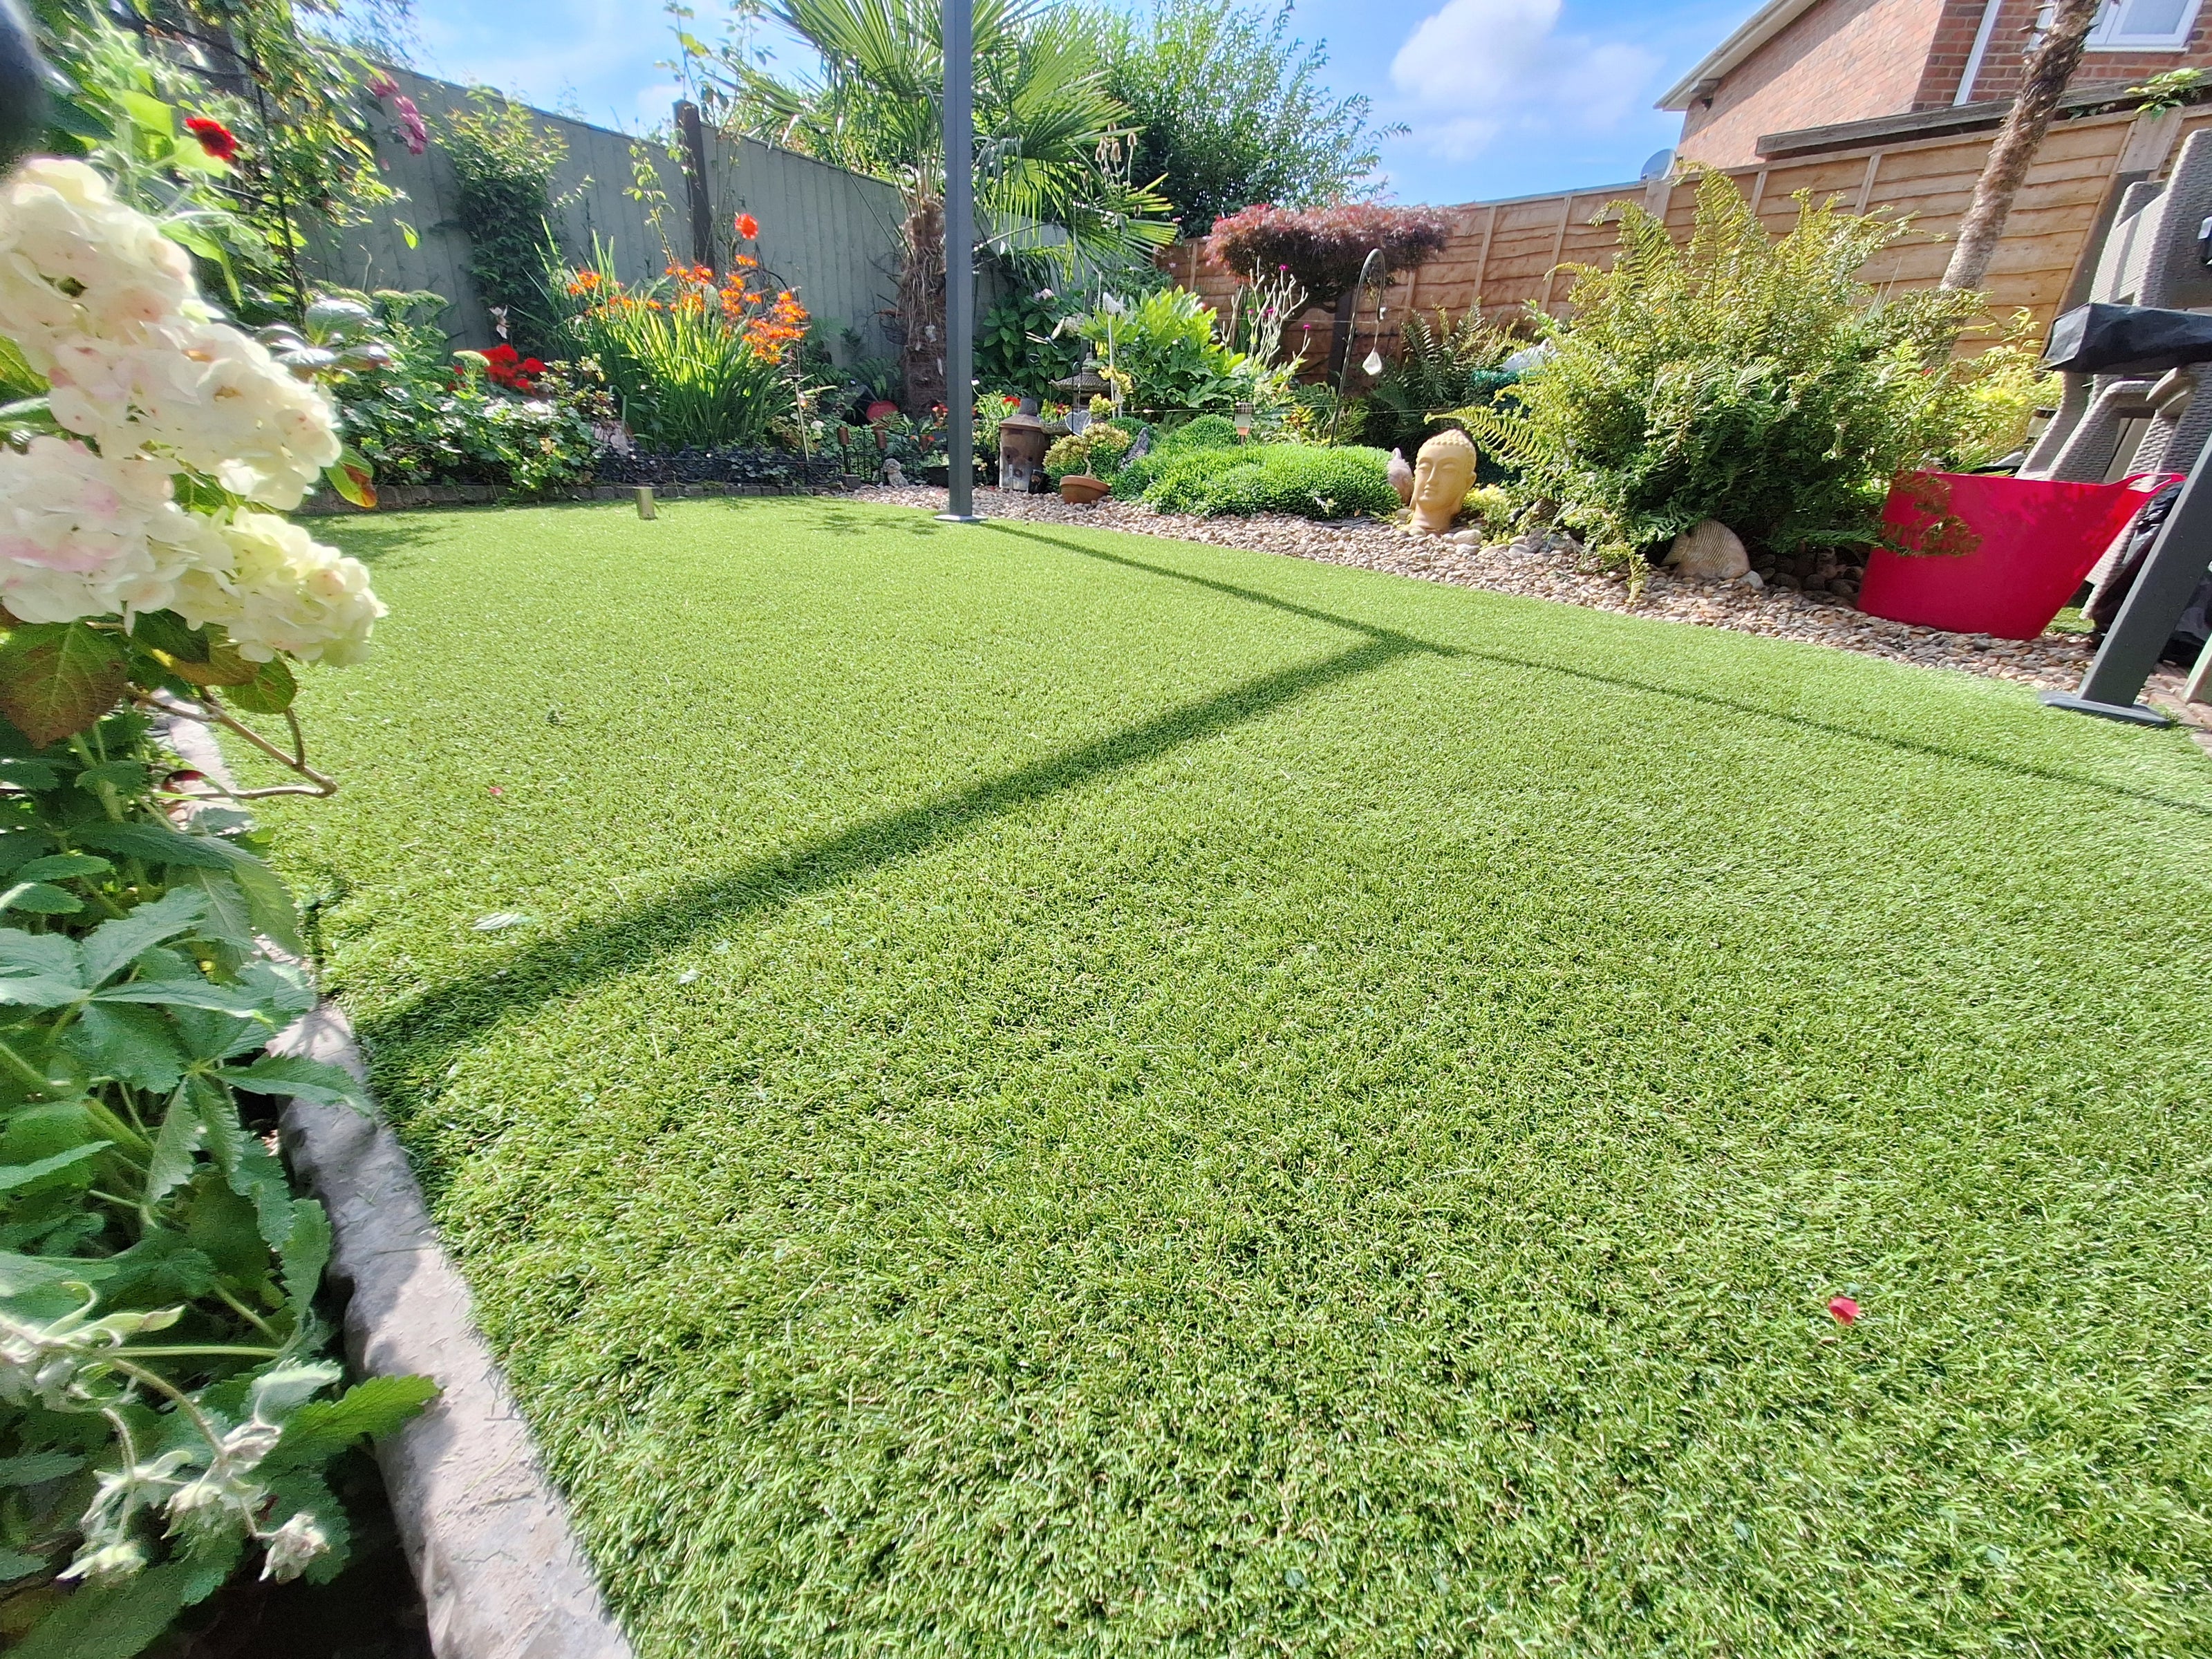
pixel 1374 364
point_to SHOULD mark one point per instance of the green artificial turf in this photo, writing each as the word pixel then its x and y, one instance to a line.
pixel 1064 1093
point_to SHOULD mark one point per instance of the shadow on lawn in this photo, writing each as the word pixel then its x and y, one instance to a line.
pixel 450 1016
pixel 1622 683
pixel 446 1017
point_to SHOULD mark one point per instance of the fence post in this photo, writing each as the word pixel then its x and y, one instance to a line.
pixel 694 135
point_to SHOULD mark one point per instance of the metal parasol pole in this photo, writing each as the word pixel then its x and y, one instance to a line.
pixel 959 30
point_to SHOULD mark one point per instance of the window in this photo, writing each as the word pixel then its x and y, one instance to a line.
pixel 2143 26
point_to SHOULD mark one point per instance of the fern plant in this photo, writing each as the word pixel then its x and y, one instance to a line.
pixel 1745 377
pixel 1441 366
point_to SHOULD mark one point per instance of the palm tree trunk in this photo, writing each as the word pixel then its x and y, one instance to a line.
pixel 2050 67
pixel 921 303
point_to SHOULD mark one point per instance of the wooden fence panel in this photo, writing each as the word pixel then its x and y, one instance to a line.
pixel 829 234
pixel 1505 255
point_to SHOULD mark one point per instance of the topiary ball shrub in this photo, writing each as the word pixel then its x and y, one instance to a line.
pixel 1304 480
pixel 1207 432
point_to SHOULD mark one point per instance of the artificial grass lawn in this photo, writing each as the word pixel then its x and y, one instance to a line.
pixel 1068 1093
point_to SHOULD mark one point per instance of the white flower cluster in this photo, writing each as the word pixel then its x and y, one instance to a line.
pixel 99 302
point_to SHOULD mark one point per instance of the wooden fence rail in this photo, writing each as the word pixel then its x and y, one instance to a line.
pixel 1508 255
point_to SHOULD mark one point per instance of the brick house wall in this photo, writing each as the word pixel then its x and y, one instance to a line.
pixel 2000 73
pixel 1851 60
pixel 1842 60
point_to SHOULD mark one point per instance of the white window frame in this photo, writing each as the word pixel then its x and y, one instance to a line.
pixel 2104 36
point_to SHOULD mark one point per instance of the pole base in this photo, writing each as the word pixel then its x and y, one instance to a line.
pixel 958 517
pixel 2133 713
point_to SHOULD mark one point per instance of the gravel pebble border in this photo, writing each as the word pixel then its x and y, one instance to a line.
pixel 1556 568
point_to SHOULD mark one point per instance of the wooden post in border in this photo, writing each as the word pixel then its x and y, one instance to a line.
pixel 693 133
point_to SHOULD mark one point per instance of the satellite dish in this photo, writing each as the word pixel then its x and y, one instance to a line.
pixel 1660 161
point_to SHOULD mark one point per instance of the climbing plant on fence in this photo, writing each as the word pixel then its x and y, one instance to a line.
pixel 503 163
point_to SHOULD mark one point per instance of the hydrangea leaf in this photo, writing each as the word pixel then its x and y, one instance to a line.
pixel 56 678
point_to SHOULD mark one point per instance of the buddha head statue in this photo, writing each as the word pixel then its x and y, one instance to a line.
pixel 1442 474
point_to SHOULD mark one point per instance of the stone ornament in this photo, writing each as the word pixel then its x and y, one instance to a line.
pixel 1442 474
pixel 1708 551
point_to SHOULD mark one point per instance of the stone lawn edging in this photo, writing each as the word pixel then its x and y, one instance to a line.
pixel 400 498
pixel 485 1530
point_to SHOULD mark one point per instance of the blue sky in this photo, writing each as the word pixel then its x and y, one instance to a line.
pixel 1502 97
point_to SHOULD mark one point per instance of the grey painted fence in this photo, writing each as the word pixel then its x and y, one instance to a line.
pixel 831 235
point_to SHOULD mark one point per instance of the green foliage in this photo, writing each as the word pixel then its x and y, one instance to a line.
pixel 2169 90
pixel 1020 347
pixel 1230 108
pixel 1165 343
pixel 422 417
pixel 1055 143
pixel 504 162
pixel 1310 480
pixel 683 370
pixel 1126 1062
pixel 1097 450
pixel 1440 366
pixel 162 1362
pixel 305 151
pixel 2003 387
pixel 1744 377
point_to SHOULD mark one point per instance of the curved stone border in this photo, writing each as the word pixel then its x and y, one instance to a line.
pixel 486 1531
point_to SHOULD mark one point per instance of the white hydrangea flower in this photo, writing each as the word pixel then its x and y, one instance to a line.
pixel 103 305
pixel 60 225
pixel 282 591
pixel 206 395
pixel 82 534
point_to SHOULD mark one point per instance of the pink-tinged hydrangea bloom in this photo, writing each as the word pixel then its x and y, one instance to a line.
pixel 84 536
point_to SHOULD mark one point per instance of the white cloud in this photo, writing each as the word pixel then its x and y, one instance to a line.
pixel 1477 67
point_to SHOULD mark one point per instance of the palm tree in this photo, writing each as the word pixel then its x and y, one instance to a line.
pixel 2049 66
pixel 1052 144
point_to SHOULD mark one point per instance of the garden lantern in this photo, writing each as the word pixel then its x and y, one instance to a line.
pixel 1243 420
pixel 1083 385
pixel 1021 450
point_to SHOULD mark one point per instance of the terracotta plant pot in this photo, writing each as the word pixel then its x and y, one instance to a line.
pixel 1081 489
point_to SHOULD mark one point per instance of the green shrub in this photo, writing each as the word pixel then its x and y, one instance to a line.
pixel 1164 344
pixel 1746 378
pixel 1305 480
pixel 1097 450
pixel 419 418
pixel 1206 432
pixel 1018 345
pixel 503 165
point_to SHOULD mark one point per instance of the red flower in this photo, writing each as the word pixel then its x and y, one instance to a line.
pixel 1846 1310
pixel 217 139
pixel 381 85
pixel 414 132
pixel 747 226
